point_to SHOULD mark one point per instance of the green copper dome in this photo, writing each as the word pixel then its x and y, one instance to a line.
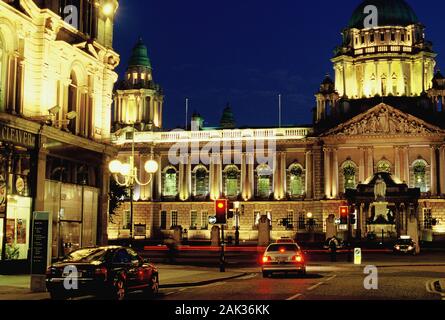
pixel 139 57
pixel 390 13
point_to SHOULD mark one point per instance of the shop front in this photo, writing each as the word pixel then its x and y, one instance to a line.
pixel 17 189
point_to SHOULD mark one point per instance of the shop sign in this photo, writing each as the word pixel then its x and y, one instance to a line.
pixel 17 136
pixel 41 243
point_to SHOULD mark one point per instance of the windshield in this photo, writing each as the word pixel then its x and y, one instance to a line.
pixel 407 242
pixel 86 255
pixel 283 247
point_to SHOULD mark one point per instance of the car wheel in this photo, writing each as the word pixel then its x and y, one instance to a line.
pixel 153 289
pixel 303 272
pixel 120 290
pixel 266 274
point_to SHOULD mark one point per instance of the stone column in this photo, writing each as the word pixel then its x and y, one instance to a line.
pixel 433 169
pixel 216 175
pixel 40 177
pixel 406 164
pixel 361 168
pixel 327 172
pixel 442 170
pixel 157 181
pixel 182 180
pixel 144 176
pixel 251 174
pixel 283 173
pixel 335 184
pixel 277 177
pixel 370 162
pixel 397 163
pixel 309 192
pixel 244 190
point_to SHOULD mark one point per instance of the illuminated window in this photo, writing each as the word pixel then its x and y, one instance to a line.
pixel 384 166
pixel 2 74
pixel 174 219
pixel 170 183
pixel 296 181
pixel 193 220
pixel 264 175
pixel 419 171
pixel 204 220
pixel 232 179
pixel 349 175
pixel 201 181
pixel 427 219
pixel 73 98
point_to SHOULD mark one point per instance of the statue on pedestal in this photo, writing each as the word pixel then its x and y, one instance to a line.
pixel 380 189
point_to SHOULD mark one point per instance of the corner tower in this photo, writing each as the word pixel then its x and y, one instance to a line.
pixel 391 59
pixel 138 99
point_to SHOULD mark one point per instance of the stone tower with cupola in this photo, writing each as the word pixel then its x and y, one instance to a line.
pixel 138 99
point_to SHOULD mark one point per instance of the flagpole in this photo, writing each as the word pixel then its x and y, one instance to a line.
pixel 279 110
pixel 186 113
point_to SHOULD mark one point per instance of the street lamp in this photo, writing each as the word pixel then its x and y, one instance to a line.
pixel 311 224
pixel 236 206
pixel 131 177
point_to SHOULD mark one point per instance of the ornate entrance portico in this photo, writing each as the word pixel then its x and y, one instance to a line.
pixel 383 201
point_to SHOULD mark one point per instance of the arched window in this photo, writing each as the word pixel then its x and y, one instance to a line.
pixel 73 98
pixel 170 182
pixel 2 74
pixel 200 181
pixel 384 166
pixel 264 182
pixel 232 181
pixel 419 172
pixel 296 180
pixel 349 170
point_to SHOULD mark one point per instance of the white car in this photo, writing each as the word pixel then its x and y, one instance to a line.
pixel 283 257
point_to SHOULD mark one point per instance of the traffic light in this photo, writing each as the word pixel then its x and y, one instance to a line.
pixel 353 218
pixel 221 210
pixel 344 213
pixel 231 211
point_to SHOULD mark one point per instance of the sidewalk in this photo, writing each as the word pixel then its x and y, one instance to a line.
pixel 17 287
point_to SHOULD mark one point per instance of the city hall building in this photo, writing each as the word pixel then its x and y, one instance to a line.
pixel 381 118
pixel 56 85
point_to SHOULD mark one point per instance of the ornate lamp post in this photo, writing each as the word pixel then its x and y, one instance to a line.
pixel 130 175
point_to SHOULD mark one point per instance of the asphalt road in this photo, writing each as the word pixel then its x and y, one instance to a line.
pixel 321 283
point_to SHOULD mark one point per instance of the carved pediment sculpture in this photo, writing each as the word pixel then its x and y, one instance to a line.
pixel 384 119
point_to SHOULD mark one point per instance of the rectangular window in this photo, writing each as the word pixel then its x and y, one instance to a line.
pixel 163 220
pixel 393 37
pixel 256 218
pixel 302 221
pixel 372 38
pixel 126 224
pixel 193 220
pixel 363 39
pixel 174 219
pixel 204 220
pixel 427 219
pixel 290 220
pixel 403 37
pixel 382 37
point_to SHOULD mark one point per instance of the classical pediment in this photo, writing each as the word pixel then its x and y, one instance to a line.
pixel 384 120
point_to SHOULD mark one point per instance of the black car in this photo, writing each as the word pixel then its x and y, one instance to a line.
pixel 106 272
pixel 405 245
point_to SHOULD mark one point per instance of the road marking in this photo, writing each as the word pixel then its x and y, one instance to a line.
pixel 248 277
pixel 294 297
pixel 315 286
pixel 331 278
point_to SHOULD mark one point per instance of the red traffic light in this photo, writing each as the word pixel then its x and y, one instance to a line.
pixel 221 209
pixel 344 213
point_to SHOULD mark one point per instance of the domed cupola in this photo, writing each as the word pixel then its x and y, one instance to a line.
pixel 139 70
pixel 394 13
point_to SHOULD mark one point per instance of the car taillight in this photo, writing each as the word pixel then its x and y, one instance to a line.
pixel 101 272
pixel 298 258
pixel 267 259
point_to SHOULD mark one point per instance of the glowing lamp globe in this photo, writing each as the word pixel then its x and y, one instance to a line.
pixel 151 166
pixel 125 169
pixel 115 166
pixel 108 9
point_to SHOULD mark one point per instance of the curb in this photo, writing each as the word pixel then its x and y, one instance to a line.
pixel 201 283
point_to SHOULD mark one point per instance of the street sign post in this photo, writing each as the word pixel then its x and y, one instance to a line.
pixel 40 249
pixel 358 256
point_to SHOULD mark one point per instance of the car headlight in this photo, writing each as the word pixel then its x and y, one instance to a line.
pixel 397 247
pixel 410 248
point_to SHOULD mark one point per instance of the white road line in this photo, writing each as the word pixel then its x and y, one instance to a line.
pixel 294 297
pixel 315 286
pixel 331 278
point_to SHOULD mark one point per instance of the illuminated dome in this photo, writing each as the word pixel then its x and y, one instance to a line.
pixel 391 13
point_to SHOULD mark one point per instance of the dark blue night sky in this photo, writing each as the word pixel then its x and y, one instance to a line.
pixel 245 52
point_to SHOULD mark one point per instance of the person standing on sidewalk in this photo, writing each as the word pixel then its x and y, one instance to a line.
pixel 172 249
